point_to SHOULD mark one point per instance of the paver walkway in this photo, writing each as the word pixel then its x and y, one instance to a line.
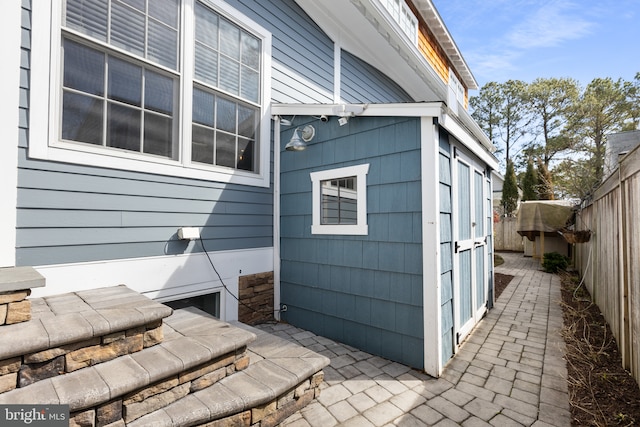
pixel 509 372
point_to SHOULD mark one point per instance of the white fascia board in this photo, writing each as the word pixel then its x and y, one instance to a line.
pixel 469 133
pixel 473 142
pixel 418 109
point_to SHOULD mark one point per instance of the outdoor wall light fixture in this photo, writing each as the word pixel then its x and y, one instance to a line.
pixel 299 141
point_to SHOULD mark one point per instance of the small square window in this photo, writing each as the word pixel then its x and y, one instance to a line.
pixel 340 201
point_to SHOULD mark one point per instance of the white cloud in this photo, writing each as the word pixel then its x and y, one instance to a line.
pixel 550 25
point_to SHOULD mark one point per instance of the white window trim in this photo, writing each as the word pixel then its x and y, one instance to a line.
pixel 44 106
pixel 361 228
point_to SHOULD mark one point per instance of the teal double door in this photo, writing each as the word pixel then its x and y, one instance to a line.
pixel 471 210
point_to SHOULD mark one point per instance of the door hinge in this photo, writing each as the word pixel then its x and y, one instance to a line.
pixel 457 338
pixel 455 152
pixel 457 247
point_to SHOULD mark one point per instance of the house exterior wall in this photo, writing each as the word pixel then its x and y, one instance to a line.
pixel 366 290
pixel 71 217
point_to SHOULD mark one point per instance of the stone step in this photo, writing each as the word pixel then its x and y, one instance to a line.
pixel 15 286
pixel 282 378
pixel 70 331
pixel 197 351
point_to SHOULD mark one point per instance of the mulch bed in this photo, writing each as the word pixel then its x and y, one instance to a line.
pixel 601 392
pixel 500 282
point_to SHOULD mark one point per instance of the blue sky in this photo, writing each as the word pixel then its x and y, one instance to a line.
pixel 527 39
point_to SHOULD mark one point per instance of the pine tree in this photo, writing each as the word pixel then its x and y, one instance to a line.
pixel 529 183
pixel 545 182
pixel 510 191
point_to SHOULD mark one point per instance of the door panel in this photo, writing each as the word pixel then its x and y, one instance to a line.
pixel 470 235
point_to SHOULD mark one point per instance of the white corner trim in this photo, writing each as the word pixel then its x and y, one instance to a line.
pixel 431 281
pixel 10 29
pixel 361 228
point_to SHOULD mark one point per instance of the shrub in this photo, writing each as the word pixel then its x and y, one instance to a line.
pixel 552 262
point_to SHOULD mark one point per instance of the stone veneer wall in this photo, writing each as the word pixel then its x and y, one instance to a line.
pixel 14 307
pixel 20 371
pixel 256 298
pixel 131 407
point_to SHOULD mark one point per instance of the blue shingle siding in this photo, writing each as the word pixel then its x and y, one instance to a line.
pixel 363 290
pixel 361 83
pixel 446 249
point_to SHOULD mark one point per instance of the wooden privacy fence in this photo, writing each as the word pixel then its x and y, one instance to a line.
pixel 506 237
pixel 610 261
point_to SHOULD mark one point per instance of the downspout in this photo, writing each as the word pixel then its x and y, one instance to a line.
pixel 276 217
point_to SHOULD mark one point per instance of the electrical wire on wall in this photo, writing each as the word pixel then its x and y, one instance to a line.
pixel 225 286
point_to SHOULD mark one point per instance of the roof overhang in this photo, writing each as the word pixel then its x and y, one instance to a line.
pixel 461 126
pixel 442 35
pixel 364 29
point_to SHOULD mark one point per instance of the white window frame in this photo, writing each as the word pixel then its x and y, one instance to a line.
pixel 404 17
pixel 45 104
pixel 456 92
pixel 361 227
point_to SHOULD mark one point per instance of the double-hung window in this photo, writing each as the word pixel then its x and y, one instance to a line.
pixel 177 87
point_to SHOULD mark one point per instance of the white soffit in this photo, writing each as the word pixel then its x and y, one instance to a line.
pixel 361 28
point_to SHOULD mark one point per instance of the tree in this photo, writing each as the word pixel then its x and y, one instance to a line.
pixel 551 101
pixel 529 183
pixel 500 110
pixel 486 108
pixel 602 109
pixel 545 182
pixel 509 191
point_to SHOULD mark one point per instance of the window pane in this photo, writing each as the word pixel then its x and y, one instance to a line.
pixel 158 92
pixel 81 118
pixel 202 147
pixel 339 201
pixel 125 81
pixel 123 127
pixel 127 29
pixel 163 45
pixel 225 150
pixel 250 85
pixel 206 26
pixel 88 17
pixel 229 39
pixel 83 68
pixel 203 107
pixel 226 117
pixel 165 11
pixel 206 68
pixel 138 4
pixel 245 153
pixel 247 122
pixel 158 135
pixel 229 75
pixel 250 51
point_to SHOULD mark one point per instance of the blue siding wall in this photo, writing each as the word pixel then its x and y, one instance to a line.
pixel 362 290
pixel 73 213
pixel 361 83
pixel 446 249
